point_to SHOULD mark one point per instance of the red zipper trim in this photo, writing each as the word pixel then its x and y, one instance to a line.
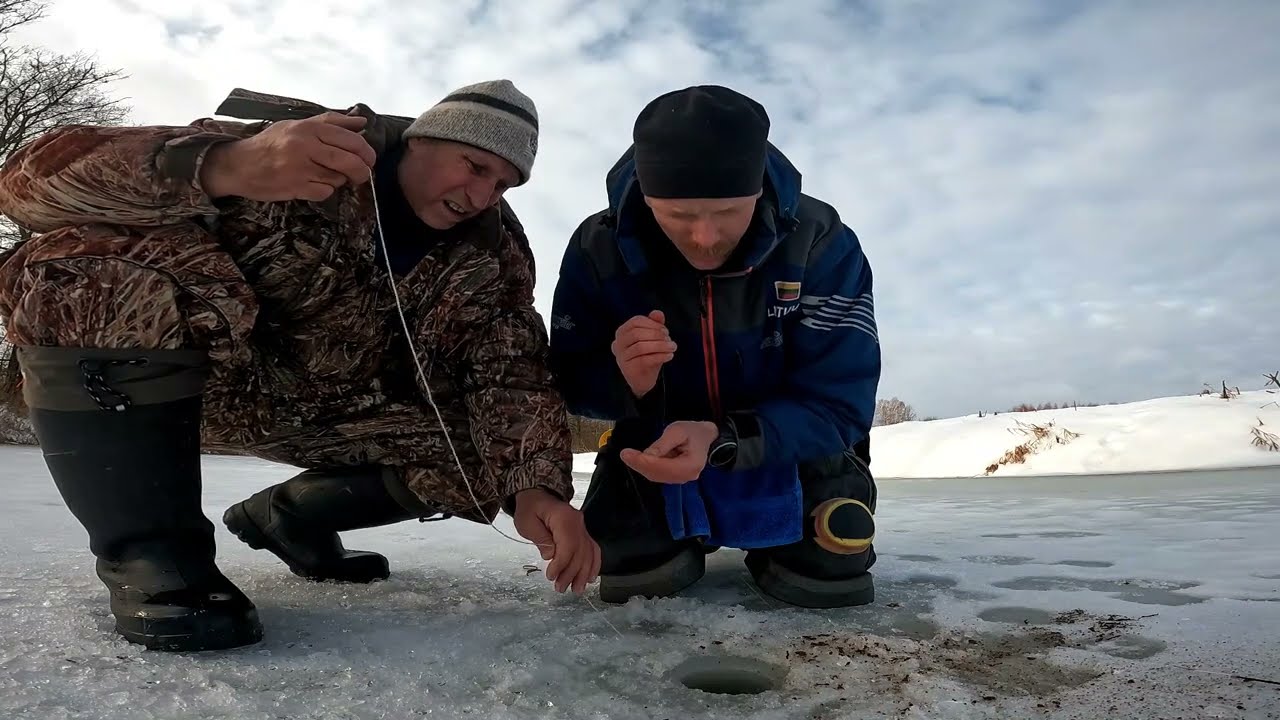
pixel 709 349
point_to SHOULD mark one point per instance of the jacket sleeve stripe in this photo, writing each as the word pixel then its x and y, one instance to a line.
pixel 837 303
pixel 838 313
pixel 826 312
pixel 837 299
pixel 849 323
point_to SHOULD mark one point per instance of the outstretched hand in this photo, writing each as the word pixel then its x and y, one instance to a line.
pixel 560 532
pixel 677 457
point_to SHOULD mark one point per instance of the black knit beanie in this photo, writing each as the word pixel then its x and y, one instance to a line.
pixel 701 142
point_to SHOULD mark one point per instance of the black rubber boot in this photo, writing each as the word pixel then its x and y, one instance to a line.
pixel 624 513
pixel 131 476
pixel 830 566
pixel 669 577
pixel 299 520
pixel 792 588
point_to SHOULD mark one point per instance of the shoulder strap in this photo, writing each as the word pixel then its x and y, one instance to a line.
pixel 381 132
pixel 249 105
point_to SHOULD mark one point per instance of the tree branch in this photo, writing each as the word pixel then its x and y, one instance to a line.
pixel 15 13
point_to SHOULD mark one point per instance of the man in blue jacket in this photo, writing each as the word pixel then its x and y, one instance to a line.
pixel 724 321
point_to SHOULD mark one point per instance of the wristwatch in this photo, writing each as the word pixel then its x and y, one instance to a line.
pixel 724 449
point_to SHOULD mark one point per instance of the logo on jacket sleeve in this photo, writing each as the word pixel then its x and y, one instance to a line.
pixel 787 291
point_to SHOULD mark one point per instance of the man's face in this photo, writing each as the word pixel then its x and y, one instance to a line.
pixel 448 182
pixel 705 231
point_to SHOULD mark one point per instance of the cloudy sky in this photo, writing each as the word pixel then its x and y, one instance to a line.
pixel 1061 201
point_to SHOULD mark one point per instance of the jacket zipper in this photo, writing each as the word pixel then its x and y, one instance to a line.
pixel 709 348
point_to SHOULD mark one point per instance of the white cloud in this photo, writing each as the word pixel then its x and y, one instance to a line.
pixel 1060 201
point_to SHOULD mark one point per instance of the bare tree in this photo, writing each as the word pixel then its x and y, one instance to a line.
pixel 41 90
pixel 893 411
pixel 19 12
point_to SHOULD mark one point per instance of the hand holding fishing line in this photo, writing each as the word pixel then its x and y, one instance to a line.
pixel 306 159
pixel 560 533
pixel 641 347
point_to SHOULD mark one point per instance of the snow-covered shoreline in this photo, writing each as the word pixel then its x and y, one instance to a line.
pixel 1172 434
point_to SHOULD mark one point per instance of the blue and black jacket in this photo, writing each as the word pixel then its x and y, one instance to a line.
pixel 780 343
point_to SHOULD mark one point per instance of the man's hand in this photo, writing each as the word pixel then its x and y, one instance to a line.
pixel 677 457
pixel 560 532
pixel 291 160
pixel 642 346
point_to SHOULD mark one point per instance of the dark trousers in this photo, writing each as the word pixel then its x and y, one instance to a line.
pixel 625 513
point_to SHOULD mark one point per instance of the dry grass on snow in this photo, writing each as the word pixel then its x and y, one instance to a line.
pixel 1042 437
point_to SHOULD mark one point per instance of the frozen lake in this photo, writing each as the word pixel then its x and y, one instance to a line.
pixel 1136 596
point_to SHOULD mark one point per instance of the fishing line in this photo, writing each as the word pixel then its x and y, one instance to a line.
pixel 422 375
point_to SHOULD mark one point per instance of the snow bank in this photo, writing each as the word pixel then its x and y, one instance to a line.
pixel 1175 433
pixel 584 463
pixel 1165 434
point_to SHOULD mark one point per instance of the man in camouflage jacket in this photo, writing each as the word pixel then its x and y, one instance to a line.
pixel 226 285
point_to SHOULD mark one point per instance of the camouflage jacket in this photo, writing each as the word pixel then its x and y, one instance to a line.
pixel 314 271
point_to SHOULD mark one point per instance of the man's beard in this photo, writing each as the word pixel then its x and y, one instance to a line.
pixel 716 254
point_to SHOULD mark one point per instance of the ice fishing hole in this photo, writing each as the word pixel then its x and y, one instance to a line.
pixel 727 675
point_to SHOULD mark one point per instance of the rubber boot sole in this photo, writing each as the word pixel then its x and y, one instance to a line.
pixel 669 578
pixel 177 629
pixel 793 589
pixel 355 567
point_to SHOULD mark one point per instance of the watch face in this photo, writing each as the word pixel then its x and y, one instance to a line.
pixel 722 454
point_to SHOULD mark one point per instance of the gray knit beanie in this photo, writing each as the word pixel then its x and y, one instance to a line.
pixel 491 115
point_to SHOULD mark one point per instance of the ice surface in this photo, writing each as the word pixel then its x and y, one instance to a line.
pixel 1119 596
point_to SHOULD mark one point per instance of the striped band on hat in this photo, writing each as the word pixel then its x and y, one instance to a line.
pixel 492 116
pixel 495 103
